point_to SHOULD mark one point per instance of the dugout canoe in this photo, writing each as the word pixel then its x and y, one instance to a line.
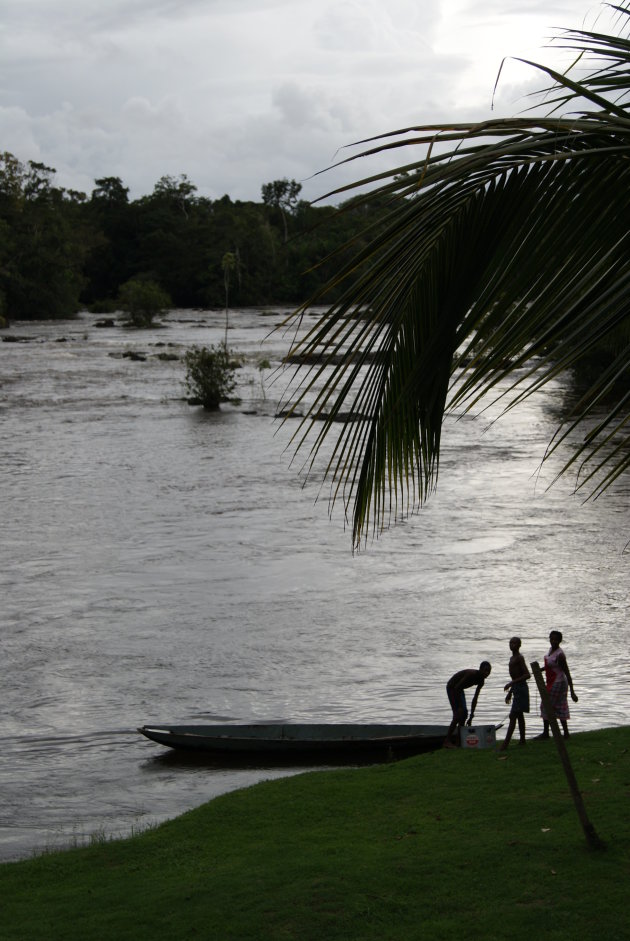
pixel 347 740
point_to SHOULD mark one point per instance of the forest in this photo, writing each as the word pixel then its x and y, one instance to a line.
pixel 62 250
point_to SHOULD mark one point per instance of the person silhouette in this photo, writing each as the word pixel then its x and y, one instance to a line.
pixel 517 692
pixel 455 687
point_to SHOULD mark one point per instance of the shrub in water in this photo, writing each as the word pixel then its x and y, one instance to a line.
pixel 209 375
pixel 142 301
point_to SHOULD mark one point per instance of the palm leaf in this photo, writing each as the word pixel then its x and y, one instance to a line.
pixel 503 260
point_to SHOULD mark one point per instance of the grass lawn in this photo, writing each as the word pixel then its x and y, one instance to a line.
pixel 456 844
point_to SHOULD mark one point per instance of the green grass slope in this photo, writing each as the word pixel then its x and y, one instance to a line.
pixel 453 845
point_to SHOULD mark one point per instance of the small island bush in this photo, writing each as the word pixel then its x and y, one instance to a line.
pixel 209 376
pixel 142 301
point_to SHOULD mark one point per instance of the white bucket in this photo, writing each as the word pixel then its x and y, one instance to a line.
pixel 478 736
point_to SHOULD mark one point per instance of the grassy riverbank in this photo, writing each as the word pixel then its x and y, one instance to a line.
pixel 457 844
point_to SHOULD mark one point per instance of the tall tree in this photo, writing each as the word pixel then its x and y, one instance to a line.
pixel 110 263
pixel 171 238
pixel 505 256
pixel 229 264
pixel 43 249
pixel 180 191
pixel 283 195
pixel 110 190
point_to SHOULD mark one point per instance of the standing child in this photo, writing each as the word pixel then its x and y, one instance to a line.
pixel 558 681
pixel 517 691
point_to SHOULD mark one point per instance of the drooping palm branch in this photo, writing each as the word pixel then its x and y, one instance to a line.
pixel 505 255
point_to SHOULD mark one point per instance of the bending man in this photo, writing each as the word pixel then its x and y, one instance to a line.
pixel 455 687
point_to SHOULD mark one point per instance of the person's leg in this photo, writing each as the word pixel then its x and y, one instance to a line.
pixel 460 711
pixel 508 734
pixel 454 704
pixel 565 727
pixel 462 715
pixel 521 727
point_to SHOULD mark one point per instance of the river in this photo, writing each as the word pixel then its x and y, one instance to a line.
pixel 163 564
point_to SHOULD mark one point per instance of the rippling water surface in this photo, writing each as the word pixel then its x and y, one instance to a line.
pixel 162 564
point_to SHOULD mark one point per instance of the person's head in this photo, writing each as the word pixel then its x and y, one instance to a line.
pixel 485 668
pixel 555 639
pixel 515 644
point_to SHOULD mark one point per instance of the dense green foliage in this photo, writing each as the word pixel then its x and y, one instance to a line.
pixel 44 242
pixel 60 249
pixel 142 300
pixel 504 259
pixel 209 375
pixel 455 844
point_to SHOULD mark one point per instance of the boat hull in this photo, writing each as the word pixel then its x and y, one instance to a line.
pixel 338 740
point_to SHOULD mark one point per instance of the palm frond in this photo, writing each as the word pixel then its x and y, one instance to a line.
pixel 503 259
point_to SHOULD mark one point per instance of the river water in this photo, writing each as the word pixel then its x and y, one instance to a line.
pixel 163 564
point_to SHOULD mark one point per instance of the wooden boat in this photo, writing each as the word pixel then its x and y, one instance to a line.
pixel 316 740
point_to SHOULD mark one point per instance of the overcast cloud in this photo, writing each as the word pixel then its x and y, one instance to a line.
pixel 235 93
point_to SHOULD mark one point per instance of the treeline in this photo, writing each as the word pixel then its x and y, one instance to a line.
pixel 62 250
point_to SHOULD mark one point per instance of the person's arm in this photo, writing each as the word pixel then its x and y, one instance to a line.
pixel 474 703
pixel 562 663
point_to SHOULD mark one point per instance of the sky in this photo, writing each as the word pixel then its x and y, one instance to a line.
pixel 236 93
